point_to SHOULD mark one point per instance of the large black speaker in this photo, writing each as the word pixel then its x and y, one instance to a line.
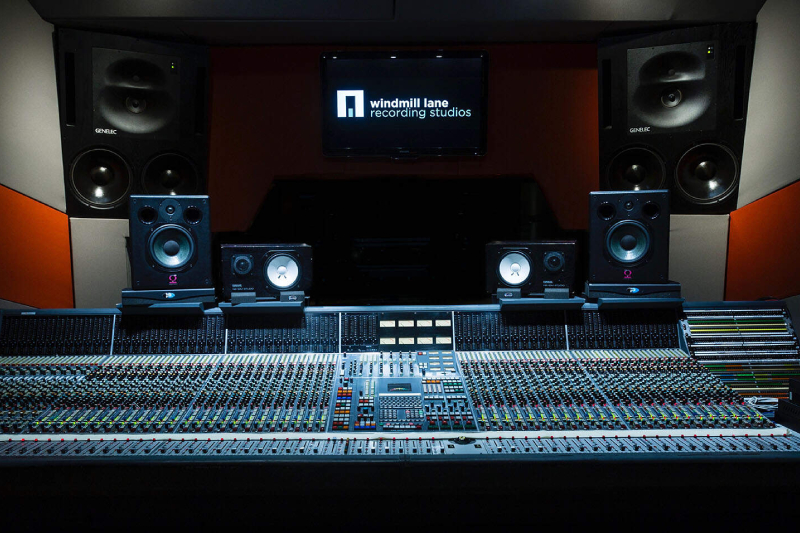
pixel 672 113
pixel 170 242
pixel 629 237
pixel 133 120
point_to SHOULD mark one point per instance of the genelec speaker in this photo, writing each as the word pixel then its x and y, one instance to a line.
pixel 629 237
pixel 672 113
pixel 266 270
pixel 133 120
pixel 170 242
pixel 530 267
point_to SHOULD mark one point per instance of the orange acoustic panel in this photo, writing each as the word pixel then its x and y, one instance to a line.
pixel 266 122
pixel 35 267
pixel 764 247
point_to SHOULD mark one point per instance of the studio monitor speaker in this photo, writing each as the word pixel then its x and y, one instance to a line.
pixel 672 113
pixel 266 270
pixel 170 242
pixel 530 267
pixel 629 237
pixel 133 120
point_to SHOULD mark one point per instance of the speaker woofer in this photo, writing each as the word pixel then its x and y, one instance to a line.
pixel 171 247
pixel 282 271
pixel 628 242
pixel 707 173
pixel 636 169
pixel 514 269
pixel 100 178
pixel 170 174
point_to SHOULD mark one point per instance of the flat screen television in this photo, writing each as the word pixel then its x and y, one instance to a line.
pixel 404 104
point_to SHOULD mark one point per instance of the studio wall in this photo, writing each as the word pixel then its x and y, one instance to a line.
pixel 266 101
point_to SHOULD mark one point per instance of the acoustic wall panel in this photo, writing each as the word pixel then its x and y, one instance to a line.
pixel 30 143
pixel 99 260
pixel 34 252
pixel 697 253
pixel 764 247
pixel 771 159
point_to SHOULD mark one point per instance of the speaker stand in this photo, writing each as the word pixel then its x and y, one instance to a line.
pixel 554 299
pixel 244 303
pixel 176 301
pixel 635 295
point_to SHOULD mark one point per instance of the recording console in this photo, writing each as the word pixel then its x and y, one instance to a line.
pixel 373 383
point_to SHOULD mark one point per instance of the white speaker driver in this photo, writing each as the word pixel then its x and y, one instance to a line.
pixel 514 269
pixel 282 271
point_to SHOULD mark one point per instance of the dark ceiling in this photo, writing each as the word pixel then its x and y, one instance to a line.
pixel 237 22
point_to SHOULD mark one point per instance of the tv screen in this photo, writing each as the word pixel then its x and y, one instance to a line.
pixel 402 104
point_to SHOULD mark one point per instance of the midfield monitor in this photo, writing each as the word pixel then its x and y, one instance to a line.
pixel 404 104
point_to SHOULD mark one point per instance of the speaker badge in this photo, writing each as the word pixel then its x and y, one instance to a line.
pixel 627 274
pixel 173 279
pixel 633 290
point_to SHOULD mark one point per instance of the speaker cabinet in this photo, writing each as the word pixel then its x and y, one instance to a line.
pixel 530 267
pixel 266 269
pixel 170 242
pixel 133 120
pixel 629 237
pixel 672 113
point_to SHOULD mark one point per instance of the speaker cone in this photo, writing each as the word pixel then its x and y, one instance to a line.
pixel 169 174
pixel 628 242
pixel 171 247
pixel 707 173
pixel 672 89
pixel 100 178
pixel 636 169
pixel 282 271
pixel 514 269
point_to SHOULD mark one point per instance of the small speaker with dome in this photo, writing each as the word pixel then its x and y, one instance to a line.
pixel 531 268
pixel 263 272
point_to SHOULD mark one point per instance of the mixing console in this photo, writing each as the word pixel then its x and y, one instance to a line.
pixel 357 382
pixel 752 349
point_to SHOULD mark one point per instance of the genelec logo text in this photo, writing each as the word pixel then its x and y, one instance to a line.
pixel 645 129
pixel 352 104
pixel 105 131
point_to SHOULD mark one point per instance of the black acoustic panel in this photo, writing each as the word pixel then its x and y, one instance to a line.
pixel 133 116
pixel 170 242
pixel 402 239
pixel 673 107
pixel 629 237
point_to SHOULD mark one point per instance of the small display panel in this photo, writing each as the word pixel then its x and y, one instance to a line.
pixel 404 103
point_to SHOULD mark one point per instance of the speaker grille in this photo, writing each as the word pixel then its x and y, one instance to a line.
pixel 100 178
pixel 707 173
pixel 171 247
pixel 628 242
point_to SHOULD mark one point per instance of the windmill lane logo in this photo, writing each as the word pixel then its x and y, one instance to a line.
pixel 350 104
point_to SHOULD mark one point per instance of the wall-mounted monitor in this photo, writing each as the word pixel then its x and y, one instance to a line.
pixel 404 104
